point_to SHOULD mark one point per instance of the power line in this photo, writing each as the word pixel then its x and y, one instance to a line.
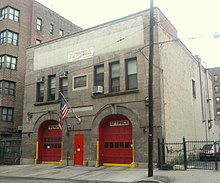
pixel 135 52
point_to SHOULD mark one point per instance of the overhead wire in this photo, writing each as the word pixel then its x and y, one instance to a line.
pixel 124 54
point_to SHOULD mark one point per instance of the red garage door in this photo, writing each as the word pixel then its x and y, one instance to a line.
pixel 116 140
pixel 50 142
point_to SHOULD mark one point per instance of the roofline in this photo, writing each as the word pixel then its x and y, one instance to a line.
pixel 94 27
pixel 35 1
pixel 118 20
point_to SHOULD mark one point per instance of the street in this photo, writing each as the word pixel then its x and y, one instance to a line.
pixel 43 180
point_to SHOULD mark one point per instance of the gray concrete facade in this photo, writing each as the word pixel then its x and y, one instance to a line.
pixel 118 40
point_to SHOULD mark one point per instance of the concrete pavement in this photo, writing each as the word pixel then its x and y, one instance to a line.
pixel 106 174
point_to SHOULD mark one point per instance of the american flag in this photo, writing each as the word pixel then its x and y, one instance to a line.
pixel 63 112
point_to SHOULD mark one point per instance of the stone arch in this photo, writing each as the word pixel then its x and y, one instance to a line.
pixel 115 109
pixel 52 115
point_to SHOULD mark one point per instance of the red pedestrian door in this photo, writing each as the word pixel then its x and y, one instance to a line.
pixel 78 149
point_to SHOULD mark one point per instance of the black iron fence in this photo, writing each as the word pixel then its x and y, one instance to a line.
pixel 10 152
pixel 189 155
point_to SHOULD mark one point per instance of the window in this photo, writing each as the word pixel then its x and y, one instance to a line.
pixel 216 78
pixel 7 87
pixel 38 41
pixel 99 75
pixel 51 28
pixel 9 12
pixel 51 87
pixel 193 89
pixel 114 77
pixel 64 86
pixel 8 136
pixel 131 74
pixel 61 32
pixel 217 99
pixel 11 63
pixel 8 62
pixel 40 91
pixel 2 61
pixel 80 81
pixel 4 13
pixel 14 14
pixel 218 111
pixel 216 89
pixel 3 37
pixel 39 24
pixel 12 38
pixel 7 114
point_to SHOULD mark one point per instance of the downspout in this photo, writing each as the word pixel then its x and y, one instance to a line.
pixel 208 102
pixel 202 97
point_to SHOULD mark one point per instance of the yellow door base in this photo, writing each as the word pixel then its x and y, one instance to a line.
pixel 119 165
pixel 51 162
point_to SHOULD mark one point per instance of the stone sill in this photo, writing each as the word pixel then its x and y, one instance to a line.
pixel 102 95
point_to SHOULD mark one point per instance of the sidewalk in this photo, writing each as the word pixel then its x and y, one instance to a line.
pixel 103 174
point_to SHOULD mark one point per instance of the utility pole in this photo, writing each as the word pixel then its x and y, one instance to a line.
pixel 150 92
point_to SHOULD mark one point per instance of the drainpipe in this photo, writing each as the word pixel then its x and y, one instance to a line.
pixel 208 101
pixel 202 97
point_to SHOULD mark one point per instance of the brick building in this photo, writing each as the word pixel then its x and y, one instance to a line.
pixel 22 23
pixel 215 73
pixel 103 72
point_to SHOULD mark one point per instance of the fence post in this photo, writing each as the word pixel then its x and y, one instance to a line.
pixel 216 149
pixel 159 154
pixel 163 151
pixel 184 152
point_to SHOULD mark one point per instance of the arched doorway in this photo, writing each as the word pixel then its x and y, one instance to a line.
pixel 115 137
pixel 50 139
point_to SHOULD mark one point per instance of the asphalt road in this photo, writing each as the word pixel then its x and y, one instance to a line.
pixel 41 180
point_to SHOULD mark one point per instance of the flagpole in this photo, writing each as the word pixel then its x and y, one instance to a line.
pixel 78 119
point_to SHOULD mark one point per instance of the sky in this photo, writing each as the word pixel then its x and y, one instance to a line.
pixel 197 21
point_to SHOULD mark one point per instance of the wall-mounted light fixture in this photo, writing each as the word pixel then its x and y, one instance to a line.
pixel 210 123
pixel 30 115
pixel 146 101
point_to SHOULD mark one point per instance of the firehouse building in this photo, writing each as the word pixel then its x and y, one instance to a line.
pixel 103 74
